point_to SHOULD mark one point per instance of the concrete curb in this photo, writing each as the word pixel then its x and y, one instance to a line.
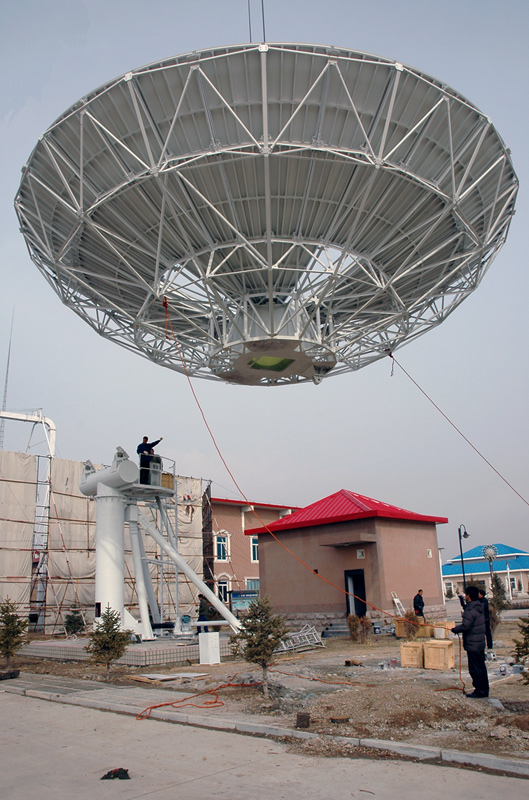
pixel 514 767
pixel 403 748
pixel 483 760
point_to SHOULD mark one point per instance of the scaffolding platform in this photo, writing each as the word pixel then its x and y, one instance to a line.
pixel 146 491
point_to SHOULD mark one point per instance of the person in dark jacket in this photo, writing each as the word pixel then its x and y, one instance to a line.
pixel 203 613
pixel 486 611
pixel 473 629
pixel 145 450
pixel 418 604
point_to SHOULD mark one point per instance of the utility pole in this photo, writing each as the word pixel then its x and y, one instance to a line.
pixel 4 403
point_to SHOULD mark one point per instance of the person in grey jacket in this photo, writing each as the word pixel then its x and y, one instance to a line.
pixel 473 629
pixel 486 612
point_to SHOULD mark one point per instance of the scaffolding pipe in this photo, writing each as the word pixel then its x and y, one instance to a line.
pixel 141 587
pixel 50 430
pixel 186 569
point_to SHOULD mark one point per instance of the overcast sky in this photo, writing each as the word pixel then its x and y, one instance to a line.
pixel 368 431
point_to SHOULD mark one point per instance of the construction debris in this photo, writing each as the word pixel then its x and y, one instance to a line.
pixel 119 773
pixel 306 638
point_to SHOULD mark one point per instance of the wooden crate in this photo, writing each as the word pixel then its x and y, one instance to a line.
pixel 167 480
pixel 412 654
pixel 439 655
pixel 400 630
pixel 424 631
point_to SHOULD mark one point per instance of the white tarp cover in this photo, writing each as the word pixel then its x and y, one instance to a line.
pixel 72 541
pixel 18 479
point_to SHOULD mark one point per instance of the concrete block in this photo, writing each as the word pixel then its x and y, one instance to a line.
pixel 209 647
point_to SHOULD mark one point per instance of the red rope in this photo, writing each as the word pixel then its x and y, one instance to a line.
pixel 169 330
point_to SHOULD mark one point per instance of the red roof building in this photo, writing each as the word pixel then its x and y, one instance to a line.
pixel 363 549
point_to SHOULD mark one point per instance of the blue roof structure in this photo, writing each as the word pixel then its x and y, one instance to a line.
pixel 475 564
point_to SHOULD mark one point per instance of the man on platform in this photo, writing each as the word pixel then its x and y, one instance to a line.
pixel 145 451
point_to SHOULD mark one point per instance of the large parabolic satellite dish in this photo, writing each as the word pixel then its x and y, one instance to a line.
pixel 303 209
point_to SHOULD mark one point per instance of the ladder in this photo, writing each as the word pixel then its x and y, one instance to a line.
pixel 398 604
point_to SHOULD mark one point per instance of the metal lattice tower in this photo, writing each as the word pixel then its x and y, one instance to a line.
pixel 303 209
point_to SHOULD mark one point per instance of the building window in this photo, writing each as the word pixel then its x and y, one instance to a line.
pixel 221 546
pixel 254 544
pixel 222 589
pixel 252 584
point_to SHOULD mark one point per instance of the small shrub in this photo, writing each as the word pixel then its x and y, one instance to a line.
pixel 108 642
pixel 521 646
pixel 499 598
pixel 366 628
pixel 260 634
pixel 410 625
pixel 359 628
pixel 12 630
pixel 353 621
pixel 74 622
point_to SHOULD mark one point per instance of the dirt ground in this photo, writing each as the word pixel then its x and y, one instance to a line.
pixel 346 692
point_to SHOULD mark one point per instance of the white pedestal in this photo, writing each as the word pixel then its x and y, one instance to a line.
pixel 209 648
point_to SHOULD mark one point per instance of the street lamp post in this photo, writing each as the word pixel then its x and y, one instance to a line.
pixel 462 531
pixel 490 551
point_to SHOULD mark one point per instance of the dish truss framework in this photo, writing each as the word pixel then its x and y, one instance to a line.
pixel 302 209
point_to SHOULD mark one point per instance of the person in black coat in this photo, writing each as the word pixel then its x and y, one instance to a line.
pixel 418 604
pixel 145 450
pixel 473 629
pixel 486 611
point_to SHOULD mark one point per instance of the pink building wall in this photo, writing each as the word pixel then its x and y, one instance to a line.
pixel 234 518
pixel 399 556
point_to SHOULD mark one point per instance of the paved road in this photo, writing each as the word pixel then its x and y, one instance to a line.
pixel 453 611
pixel 52 750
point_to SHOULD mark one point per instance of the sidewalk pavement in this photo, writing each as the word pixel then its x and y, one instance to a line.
pixel 131 701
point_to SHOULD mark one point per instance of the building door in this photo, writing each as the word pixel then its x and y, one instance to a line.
pixel 355 585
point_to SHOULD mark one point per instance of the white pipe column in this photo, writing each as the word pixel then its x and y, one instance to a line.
pixel 151 596
pixel 191 574
pixel 110 564
pixel 146 595
pixel 104 485
pixel 509 587
pixel 139 565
